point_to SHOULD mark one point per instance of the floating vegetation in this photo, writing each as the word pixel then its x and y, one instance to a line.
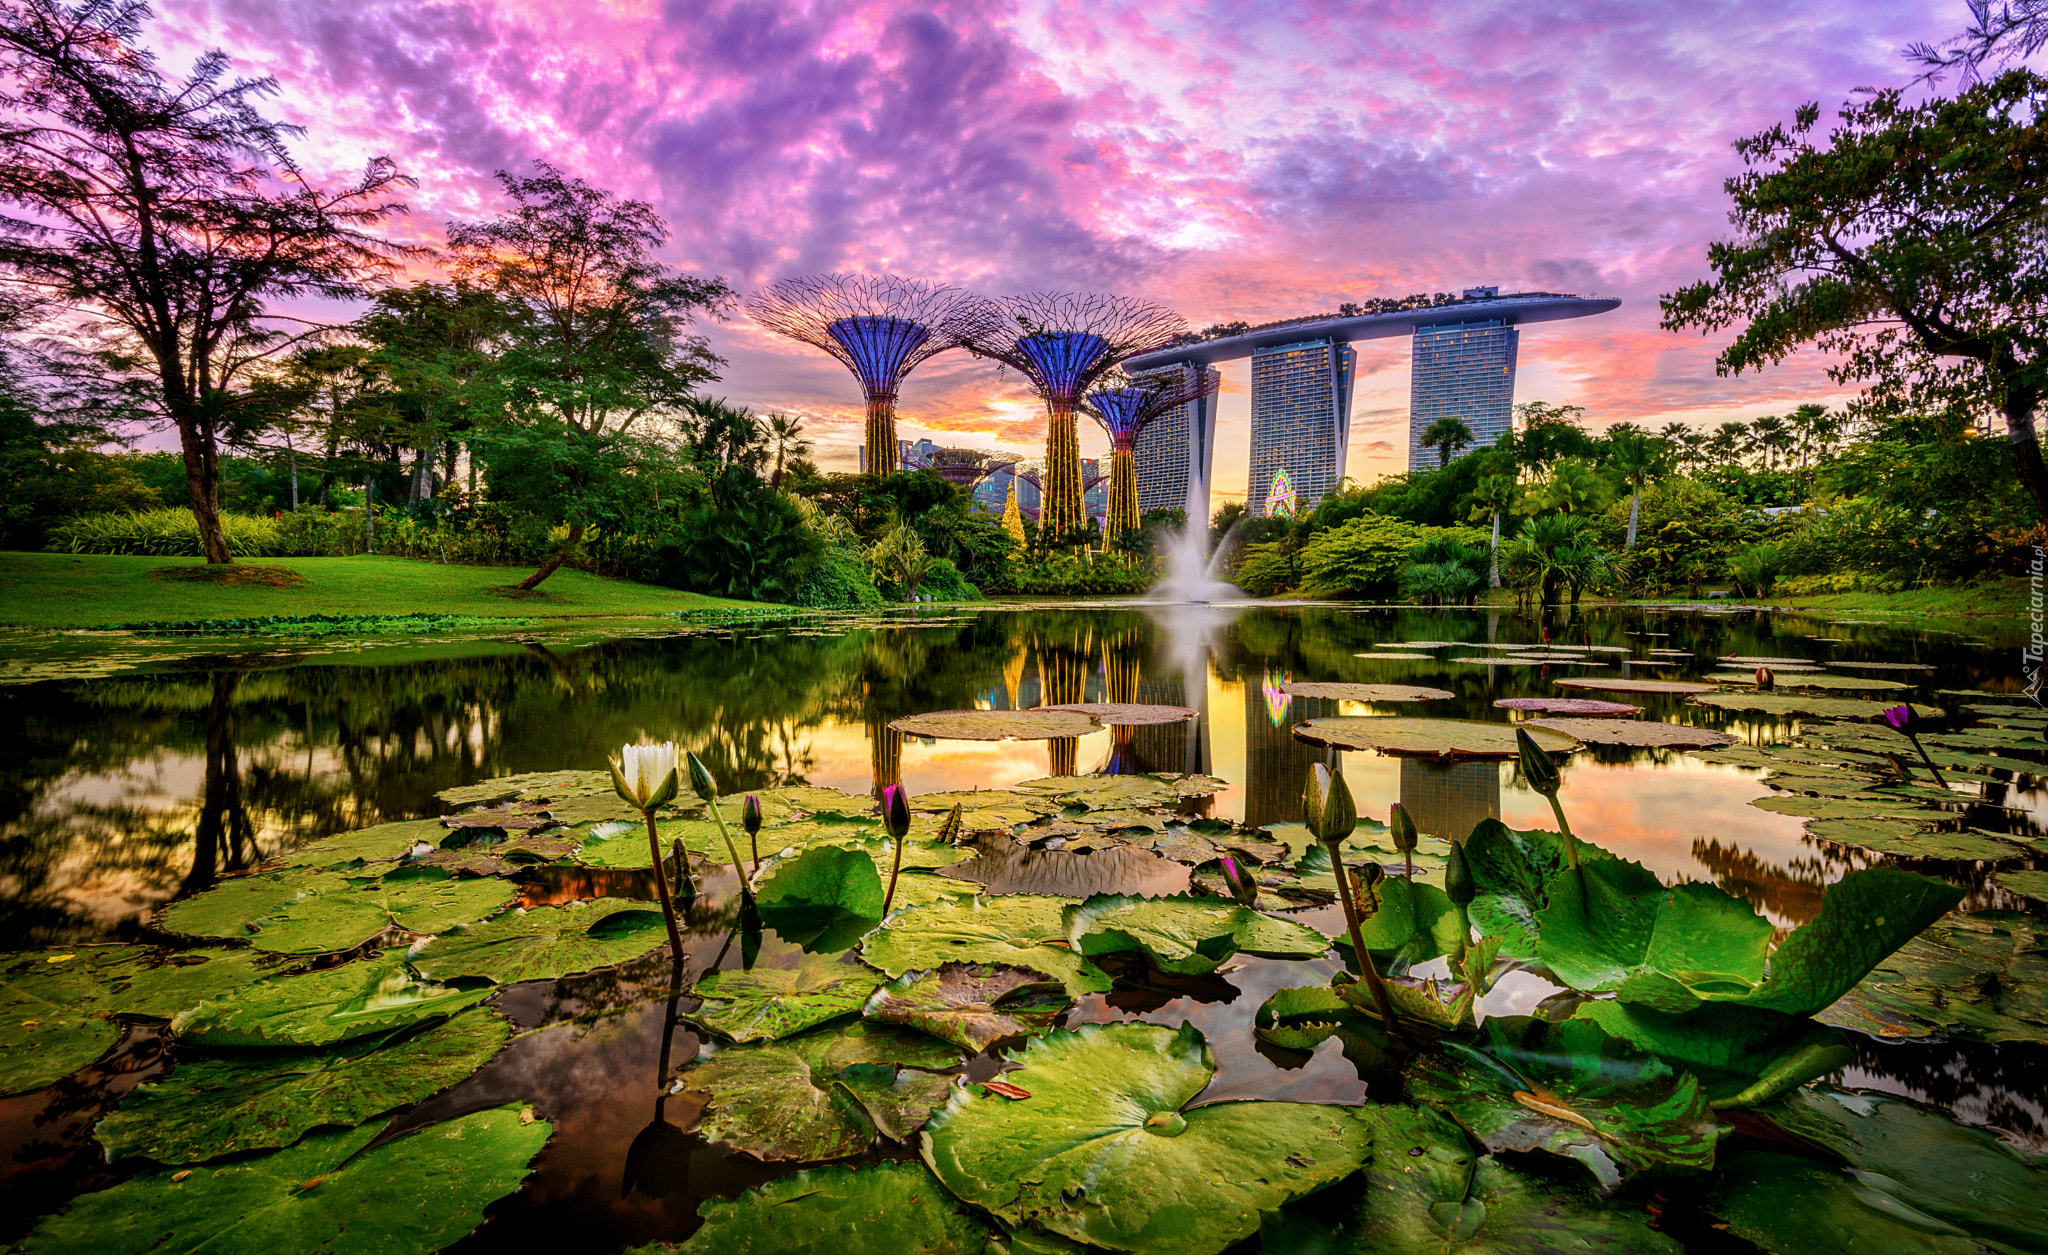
pixel 1128 714
pixel 1637 732
pixel 1601 684
pixel 1426 738
pixel 997 725
pixel 1578 706
pixel 1367 692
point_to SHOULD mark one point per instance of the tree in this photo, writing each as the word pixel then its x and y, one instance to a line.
pixel 1909 243
pixel 786 434
pixel 169 214
pixel 432 345
pixel 1492 495
pixel 1574 487
pixel 1446 436
pixel 595 335
pixel 2000 30
pixel 1637 458
pixel 1770 436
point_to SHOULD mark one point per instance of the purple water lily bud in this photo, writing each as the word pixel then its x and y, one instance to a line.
pixel 1403 826
pixel 750 814
pixel 1242 886
pixel 1537 767
pixel 1899 718
pixel 896 811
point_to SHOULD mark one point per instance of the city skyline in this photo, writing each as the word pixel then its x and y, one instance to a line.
pixel 1226 164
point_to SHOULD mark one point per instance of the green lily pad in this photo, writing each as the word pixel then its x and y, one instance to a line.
pixel 824 899
pixel 546 942
pixel 1016 930
pixel 1744 1056
pixel 1397 657
pixel 372 995
pixel 1103 792
pixel 1613 926
pixel 1184 934
pixel 1426 1193
pixel 823 1096
pixel 1414 922
pixel 1791 1205
pixel 367 845
pixel 1645 733
pixel 970 800
pixel 996 725
pixel 1303 1017
pixel 229 908
pixel 1982 977
pixel 531 786
pixel 879 1209
pixel 1104 1151
pixel 771 1002
pixel 1601 684
pixel 1570 1090
pixel 1834 808
pixel 256 1100
pixel 328 1193
pixel 972 1005
pixel 1427 738
pixel 623 846
pixel 419 900
pixel 1367 692
pixel 1800 704
pixel 1128 714
pixel 1819 681
pixel 2032 885
pixel 1909 838
pixel 1511 871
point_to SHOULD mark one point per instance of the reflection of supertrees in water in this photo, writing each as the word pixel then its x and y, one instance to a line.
pixel 1068 341
pixel 880 327
pixel 885 753
pixel 1063 667
pixel 1121 654
pixel 1125 405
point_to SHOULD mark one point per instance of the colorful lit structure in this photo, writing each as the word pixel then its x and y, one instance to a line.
pixel 880 327
pixel 1125 405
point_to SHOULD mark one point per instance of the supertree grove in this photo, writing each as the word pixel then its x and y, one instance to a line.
pixel 880 327
pixel 1125 405
pixel 1063 342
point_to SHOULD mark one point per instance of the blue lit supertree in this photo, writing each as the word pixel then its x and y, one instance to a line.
pixel 1063 342
pixel 1125 405
pixel 880 327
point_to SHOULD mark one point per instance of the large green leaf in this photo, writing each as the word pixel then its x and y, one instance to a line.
pixel 1105 1151
pixel 1863 917
pixel 1983 977
pixel 1801 704
pixel 1017 930
pixel 972 1005
pixel 1790 1205
pixel 881 1209
pixel 1185 934
pixel 1426 1193
pixel 1303 1017
pixel 373 995
pixel 368 845
pixel 770 1002
pixel 1571 1090
pixel 255 1100
pixel 1412 923
pixel 546 942
pixel 1427 738
pixel 1746 1056
pixel 418 900
pixel 415 1194
pixel 823 1096
pixel 1967 1177
pixel 1612 926
pixel 826 898
pixel 228 909
pixel 1511 871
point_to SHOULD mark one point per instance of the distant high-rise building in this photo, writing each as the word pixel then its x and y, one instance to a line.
pixel 1301 422
pixel 1095 501
pixel 1176 449
pixel 1466 371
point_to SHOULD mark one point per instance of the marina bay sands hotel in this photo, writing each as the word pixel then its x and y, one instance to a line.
pixel 1302 369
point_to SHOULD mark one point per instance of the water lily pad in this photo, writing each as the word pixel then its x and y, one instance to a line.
pixel 2032 885
pixel 1011 867
pixel 1104 792
pixel 824 899
pixel 1426 738
pixel 1128 714
pixel 1578 706
pixel 1570 1090
pixel 1752 660
pixel 972 1005
pixel 546 942
pixel 1185 934
pixel 1819 681
pixel 1303 1017
pixel 770 1002
pixel 544 785
pixel 1367 692
pixel 1983 977
pixel 878 1209
pixel 971 800
pixel 328 1193
pixel 1800 704
pixel 227 909
pixel 1391 656
pixel 1601 684
pixel 996 725
pixel 1511 871
pixel 1016 930
pixel 1105 1151
pixel 623 845
pixel 1792 1205
pixel 335 1004
pixel 1647 733
pixel 1909 838
pixel 822 1096
pixel 1426 1193
pixel 1831 807
pixel 367 845
pixel 256 1100
pixel 1613 926
pixel 419 900
pixel 1576 660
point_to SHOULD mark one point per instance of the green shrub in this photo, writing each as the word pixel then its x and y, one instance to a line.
pixel 161 534
pixel 1268 568
pixel 1364 557
pixel 944 582
pixel 839 580
pixel 756 549
pixel 1062 575
pixel 1755 568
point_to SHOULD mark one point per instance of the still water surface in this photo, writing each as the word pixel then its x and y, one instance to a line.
pixel 124 792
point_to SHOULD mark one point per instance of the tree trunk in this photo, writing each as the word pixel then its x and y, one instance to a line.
pixel 202 488
pixel 291 457
pixel 2025 445
pixel 554 560
pixel 1493 577
pixel 1635 502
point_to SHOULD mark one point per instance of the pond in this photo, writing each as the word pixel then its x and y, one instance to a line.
pixel 183 772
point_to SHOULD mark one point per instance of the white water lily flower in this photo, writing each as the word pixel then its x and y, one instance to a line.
pixel 645 775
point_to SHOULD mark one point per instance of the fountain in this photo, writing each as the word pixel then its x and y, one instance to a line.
pixel 1190 567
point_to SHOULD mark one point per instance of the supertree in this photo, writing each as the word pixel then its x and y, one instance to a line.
pixel 1125 405
pixel 880 327
pixel 1063 342
pixel 964 468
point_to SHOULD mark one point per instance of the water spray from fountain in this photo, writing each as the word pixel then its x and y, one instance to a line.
pixel 1191 569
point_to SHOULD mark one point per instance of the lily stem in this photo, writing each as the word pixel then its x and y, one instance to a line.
pixel 1925 757
pixel 1571 848
pixel 1361 958
pixel 746 890
pixel 895 868
pixel 668 906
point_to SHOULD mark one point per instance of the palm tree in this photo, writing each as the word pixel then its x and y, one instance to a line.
pixel 1636 457
pixel 1491 495
pixel 1727 445
pixel 1447 436
pixel 1770 435
pixel 1574 487
pixel 786 432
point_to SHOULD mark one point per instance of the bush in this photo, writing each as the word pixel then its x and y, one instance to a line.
pixel 756 548
pixel 944 582
pixel 1755 568
pixel 162 534
pixel 839 580
pixel 1269 568
pixel 1364 557
pixel 1060 574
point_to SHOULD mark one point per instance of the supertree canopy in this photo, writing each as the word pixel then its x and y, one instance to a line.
pixel 1063 342
pixel 880 327
pixel 1125 405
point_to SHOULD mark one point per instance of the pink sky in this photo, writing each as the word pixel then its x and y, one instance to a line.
pixel 1230 160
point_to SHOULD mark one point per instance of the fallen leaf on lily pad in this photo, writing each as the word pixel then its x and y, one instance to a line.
pixel 972 1005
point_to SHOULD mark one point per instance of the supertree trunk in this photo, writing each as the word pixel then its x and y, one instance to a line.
pixel 881 433
pixel 1123 490
pixel 1060 513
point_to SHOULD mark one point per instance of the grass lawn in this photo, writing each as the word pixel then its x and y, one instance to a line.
pixel 2004 598
pixel 60 590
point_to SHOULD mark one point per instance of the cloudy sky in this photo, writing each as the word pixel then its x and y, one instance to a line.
pixel 1240 159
